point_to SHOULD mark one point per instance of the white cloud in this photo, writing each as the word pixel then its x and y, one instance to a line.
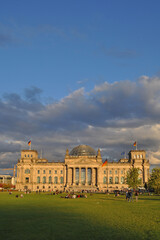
pixel 111 117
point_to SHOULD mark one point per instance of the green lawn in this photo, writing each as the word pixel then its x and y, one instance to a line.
pixel 43 216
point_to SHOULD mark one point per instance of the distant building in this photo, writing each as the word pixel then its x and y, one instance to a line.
pixel 7 179
pixel 81 170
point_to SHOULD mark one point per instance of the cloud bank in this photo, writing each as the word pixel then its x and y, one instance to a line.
pixel 110 117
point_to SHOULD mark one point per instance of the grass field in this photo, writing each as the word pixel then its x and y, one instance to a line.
pixel 43 216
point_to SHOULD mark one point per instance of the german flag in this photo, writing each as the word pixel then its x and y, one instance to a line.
pixel 29 143
pixel 135 144
pixel 105 163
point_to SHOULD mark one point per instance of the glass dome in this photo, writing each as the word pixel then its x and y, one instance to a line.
pixel 83 150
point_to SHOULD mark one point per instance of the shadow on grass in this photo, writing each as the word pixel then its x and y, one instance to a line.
pixel 46 218
pixel 41 225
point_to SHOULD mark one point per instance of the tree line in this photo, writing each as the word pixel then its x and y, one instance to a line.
pixel 134 182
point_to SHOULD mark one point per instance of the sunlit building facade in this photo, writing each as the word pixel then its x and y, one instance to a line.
pixel 82 169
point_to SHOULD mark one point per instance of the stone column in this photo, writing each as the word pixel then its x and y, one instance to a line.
pixel 86 183
pixel 113 175
pixel 145 174
pixel 97 177
pixel 119 176
pixel 64 175
pixel 93 177
pixel 22 178
pixel 79 176
pixel 107 177
pixel 74 176
pixel 69 176
pixel 124 171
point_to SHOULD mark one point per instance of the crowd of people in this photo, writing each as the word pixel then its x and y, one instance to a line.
pixel 73 195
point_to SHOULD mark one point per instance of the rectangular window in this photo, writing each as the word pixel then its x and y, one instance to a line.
pixel 104 171
pixel 116 171
pixel 38 179
pixel 61 171
pixel 50 179
pixel 44 180
pixel 121 171
pixel 122 180
pixel 55 172
pixel 110 180
pixel 27 180
pixel 38 171
pixel 104 180
pixel 61 180
pixel 44 171
pixel 110 172
pixel 116 180
pixel 55 180
pixel 49 171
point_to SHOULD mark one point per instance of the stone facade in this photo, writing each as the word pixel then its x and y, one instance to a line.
pixel 81 170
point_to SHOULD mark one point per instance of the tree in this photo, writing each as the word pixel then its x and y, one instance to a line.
pixel 154 181
pixel 132 178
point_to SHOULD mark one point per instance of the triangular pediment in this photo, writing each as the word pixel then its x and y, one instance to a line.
pixel 86 161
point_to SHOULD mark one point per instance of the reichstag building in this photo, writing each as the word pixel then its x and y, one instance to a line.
pixel 82 169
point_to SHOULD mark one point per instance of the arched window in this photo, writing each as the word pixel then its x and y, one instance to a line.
pixel 55 180
pixel 38 179
pixel 104 180
pixel 44 179
pixel 50 179
pixel 27 171
pixel 61 179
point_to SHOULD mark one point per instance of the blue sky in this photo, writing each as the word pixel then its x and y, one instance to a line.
pixel 74 60
pixel 61 45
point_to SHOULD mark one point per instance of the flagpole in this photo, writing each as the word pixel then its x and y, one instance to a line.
pixel 107 177
pixel 136 145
